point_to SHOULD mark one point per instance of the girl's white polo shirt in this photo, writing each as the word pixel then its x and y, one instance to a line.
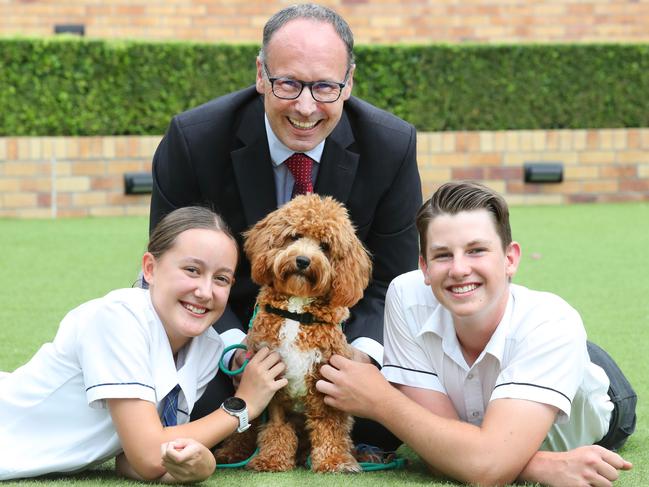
pixel 537 353
pixel 53 415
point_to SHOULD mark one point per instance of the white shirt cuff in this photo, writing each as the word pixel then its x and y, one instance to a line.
pixel 371 347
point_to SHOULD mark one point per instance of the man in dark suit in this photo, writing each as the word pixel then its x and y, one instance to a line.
pixel 231 153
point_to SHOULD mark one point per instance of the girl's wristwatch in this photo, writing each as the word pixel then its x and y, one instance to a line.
pixel 236 407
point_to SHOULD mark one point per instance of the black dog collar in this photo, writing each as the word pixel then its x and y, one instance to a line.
pixel 303 318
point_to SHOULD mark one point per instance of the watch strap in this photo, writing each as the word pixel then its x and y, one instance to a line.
pixel 242 416
pixel 243 421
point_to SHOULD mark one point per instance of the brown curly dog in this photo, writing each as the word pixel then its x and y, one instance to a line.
pixel 311 268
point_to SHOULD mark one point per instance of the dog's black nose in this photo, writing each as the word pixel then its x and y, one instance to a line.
pixel 302 262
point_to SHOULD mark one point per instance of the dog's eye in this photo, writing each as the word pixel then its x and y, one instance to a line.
pixel 295 237
pixel 324 246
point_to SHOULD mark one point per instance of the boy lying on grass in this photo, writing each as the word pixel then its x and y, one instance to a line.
pixel 493 382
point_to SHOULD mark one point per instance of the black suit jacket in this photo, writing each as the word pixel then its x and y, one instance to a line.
pixel 217 155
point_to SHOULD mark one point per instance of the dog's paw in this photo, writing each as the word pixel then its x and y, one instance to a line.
pixel 225 456
pixel 237 448
pixel 262 463
pixel 344 463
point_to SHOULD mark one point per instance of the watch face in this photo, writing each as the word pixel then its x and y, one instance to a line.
pixel 234 404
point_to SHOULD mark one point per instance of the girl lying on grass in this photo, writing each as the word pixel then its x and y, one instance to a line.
pixel 124 371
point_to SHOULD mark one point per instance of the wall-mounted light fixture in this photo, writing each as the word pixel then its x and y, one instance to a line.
pixel 543 172
pixel 138 183
pixel 77 29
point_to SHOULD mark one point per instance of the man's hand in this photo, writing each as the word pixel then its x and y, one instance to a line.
pixel 588 466
pixel 186 460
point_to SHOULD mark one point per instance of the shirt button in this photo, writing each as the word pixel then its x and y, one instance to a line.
pixel 475 414
pixel 470 376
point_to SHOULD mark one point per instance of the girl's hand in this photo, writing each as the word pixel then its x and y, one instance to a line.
pixel 186 460
pixel 260 381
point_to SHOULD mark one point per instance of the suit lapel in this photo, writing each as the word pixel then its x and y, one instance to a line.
pixel 338 165
pixel 252 166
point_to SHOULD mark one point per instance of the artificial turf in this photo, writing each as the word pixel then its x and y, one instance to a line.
pixel 592 255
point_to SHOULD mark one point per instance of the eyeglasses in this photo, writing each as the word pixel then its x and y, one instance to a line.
pixel 321 91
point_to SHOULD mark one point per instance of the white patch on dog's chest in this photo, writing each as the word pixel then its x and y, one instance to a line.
pixel 298 362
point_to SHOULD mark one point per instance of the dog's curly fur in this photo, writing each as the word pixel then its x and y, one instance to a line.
pixel 307 259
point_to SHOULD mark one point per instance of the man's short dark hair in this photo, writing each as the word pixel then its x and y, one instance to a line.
pixel 314 12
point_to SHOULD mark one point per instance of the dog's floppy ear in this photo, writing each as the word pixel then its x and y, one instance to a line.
pixel 352 272
pixel 258 243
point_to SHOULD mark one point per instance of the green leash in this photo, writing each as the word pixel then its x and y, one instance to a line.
pixel 240 464
pixel 224 367
pixel 397 462
pixel 226 371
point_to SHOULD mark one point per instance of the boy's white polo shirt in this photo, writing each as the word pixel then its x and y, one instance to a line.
pixel 53 415
pixel 537 353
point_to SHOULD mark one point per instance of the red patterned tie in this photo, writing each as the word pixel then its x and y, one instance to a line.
pixel 300 166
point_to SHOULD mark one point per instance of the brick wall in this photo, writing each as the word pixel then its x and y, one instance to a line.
pixel 599 165
pixel 76 176
pixel 66 176
pixel 373 21
pixel 41 177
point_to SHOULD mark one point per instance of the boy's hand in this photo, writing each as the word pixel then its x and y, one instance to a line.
pixel 352 386
pixel 590 465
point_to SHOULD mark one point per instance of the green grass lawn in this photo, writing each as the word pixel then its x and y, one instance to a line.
pixel 592 255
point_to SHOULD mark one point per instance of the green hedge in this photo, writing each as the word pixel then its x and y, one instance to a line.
pixel 71 86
